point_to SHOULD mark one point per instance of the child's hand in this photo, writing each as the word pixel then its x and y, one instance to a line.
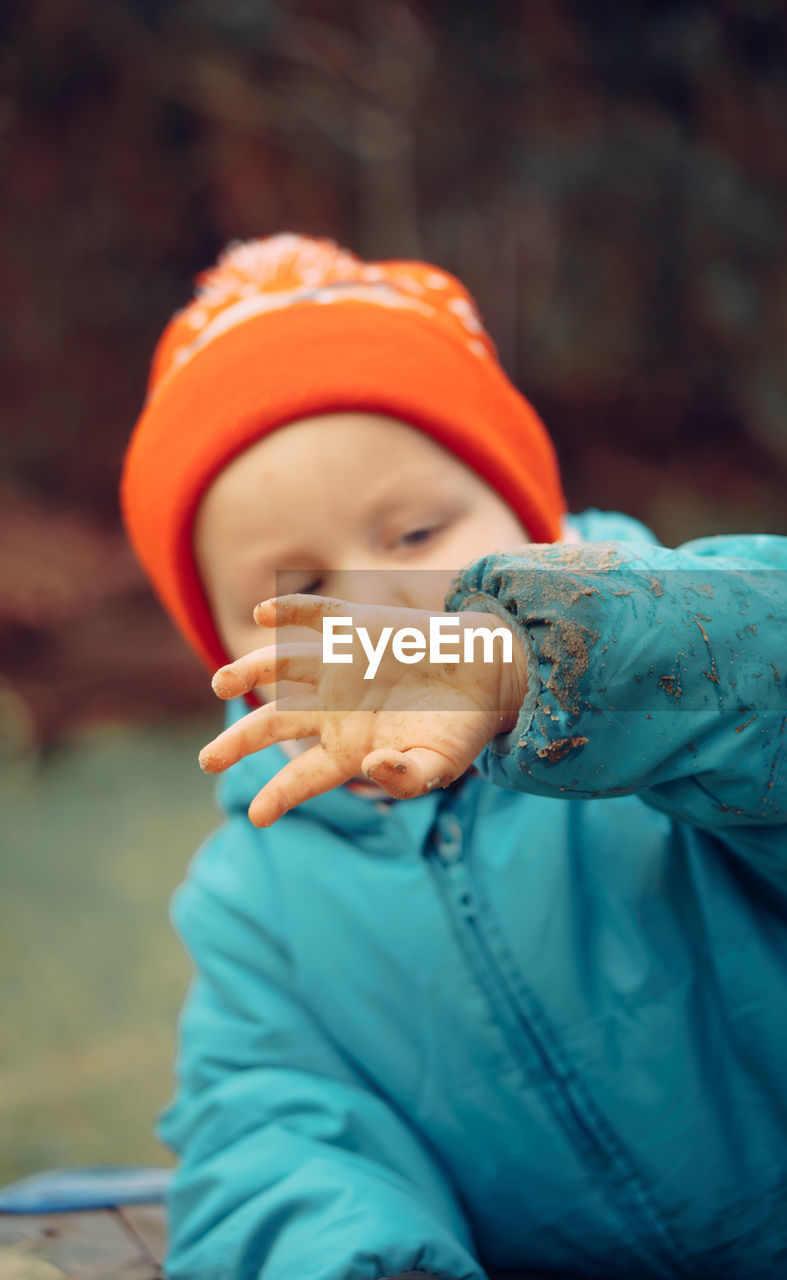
pixel 410 728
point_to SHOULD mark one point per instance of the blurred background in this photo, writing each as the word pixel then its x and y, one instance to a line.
pixel 609 181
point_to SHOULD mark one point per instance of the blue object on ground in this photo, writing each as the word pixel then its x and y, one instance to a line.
pixel 100 1186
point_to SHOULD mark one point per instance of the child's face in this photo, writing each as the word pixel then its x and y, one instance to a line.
pixel 337 493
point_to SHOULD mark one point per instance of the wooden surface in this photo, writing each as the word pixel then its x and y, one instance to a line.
pixel 112 1244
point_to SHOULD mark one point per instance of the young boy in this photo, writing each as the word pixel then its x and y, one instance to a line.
pixel 493 978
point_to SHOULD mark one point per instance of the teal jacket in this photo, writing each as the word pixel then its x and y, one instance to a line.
pixel 536 1020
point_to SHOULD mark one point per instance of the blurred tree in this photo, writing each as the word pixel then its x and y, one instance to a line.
pixel 608 180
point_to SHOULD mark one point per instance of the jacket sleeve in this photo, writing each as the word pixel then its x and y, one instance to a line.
pixel 653 671
pixel 290 1162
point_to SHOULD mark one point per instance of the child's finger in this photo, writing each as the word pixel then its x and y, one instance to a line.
pixel 405 774
pixel 310 774
pixel 300 662
pixel 299 610
pixel 275 722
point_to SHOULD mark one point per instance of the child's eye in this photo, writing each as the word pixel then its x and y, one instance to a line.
pixel 311 589
pixel 416 536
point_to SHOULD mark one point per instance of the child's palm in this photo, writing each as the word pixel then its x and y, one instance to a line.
pixel 410 728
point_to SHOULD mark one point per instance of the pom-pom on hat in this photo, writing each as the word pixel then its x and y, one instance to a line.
pixel 291 327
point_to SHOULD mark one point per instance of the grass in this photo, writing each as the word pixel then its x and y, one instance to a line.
pixel 94 840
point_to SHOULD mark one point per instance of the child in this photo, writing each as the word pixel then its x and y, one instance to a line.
pixel 529 1014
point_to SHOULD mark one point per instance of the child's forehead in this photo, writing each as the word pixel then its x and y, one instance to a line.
pixel 337 448
pixel 344 469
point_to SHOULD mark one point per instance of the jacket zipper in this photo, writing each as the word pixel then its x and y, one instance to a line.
pixel 587 1129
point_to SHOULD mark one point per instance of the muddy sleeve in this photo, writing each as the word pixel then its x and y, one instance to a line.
pixel 653 671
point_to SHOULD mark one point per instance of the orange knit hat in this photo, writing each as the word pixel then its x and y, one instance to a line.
pixel 290 327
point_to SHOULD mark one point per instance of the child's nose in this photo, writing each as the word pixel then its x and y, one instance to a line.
pixel 373 585
pixel 403 587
